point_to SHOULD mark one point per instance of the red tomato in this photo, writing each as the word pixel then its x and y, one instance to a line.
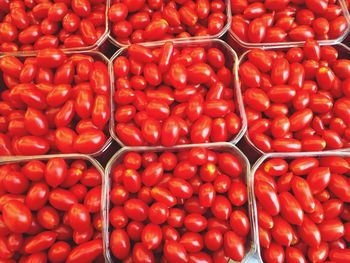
pixel 56 171
pixel 274 253
pixel 61 199
pixel 233 246
pixel 290 208
pixel 86 252
pixel 267 197
pixel 59 251
pixel 120 244
pixel 282 232
pixel 17 217
pixel 40 242
pixel 141 253
pixel 175 251
pixel 331 229
pixel 37 196
pixel 303 194
pixel 240 223
pixel 309 233
pixel 79 217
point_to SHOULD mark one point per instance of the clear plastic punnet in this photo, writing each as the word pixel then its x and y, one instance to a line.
pixel 66 157
pixel 246 44
pixel 225 28
pixel 343 53
pixel 231 64
pixel 329 159
pixel 97 56
pixel 103 36
pixel 251 254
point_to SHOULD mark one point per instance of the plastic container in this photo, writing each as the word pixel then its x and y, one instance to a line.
pixel 218 35
pixel 285 156
pixel 234 38
pixel 95 46
pixel 95 54
pixel 251 255
pixel 231 60
pixel 344 52
pixel 23 159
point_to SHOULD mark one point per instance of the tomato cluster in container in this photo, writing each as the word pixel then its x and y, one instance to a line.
pixel 125 126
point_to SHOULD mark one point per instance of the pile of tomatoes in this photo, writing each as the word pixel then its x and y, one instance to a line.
pixel 50 211
pixel 173 95
pixel 187 194
pixel 189 206
pixel 136 21
pixel 54 102
pixel 273 21
pixel 303 209
pixel 297 100
pixel 34 25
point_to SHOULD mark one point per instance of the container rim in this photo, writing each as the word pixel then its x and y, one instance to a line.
pixel 182 43
pixel 290 44
pixel 94 46
pixel 227 26
pixel 93 53
pixel 241 59
pixel 70 156
pixel 221 145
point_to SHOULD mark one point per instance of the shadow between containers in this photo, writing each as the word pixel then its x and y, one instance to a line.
pixel 223 46
pixel 284 156
pixel 95 46
pixel 218 35
pixel 94 54
pixel 342 48
pixel 251 257
pixel 289 44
